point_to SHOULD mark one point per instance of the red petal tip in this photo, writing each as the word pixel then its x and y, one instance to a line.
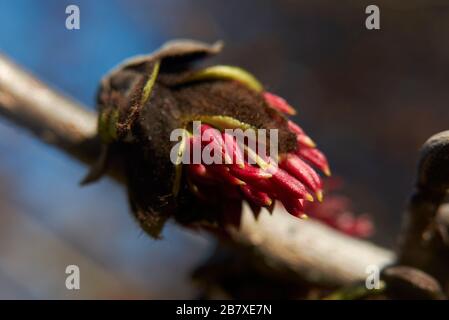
pixel 278 103
pixel 293 127
pixel 319 195
pixel 309 197
pixel 306 141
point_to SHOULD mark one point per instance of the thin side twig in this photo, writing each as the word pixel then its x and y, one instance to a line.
pixel 424 243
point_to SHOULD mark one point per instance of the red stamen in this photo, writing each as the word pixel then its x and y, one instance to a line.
pixel 249 173
pixel 213 136
pixel 224 172
pixel 293 127
pixel 302 171
pixel 305 141
pixel 316 157
pixel 287 183
pixel 294 206
pixel 233 149
pixel 278 103
pixel 259 198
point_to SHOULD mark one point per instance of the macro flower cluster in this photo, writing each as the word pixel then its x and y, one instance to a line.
pixel 290 179
pixel 145 99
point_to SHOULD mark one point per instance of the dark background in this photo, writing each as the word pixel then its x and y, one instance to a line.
pixel 369 98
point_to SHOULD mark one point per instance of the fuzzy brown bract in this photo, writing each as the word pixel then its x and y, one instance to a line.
pixel 139 126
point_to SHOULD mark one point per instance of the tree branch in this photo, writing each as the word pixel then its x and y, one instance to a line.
pixel 299 248
pixel 54 118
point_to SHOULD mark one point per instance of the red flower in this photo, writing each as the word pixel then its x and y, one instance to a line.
pixel 146 99
pixel 293 182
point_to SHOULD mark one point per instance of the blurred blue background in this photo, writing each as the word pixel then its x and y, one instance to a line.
pixel 369 98
pixel 47 220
